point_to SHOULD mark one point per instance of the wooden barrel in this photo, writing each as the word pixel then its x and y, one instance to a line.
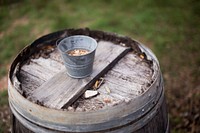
pixel 43 99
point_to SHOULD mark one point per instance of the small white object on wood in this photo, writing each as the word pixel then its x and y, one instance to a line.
pixel 90 93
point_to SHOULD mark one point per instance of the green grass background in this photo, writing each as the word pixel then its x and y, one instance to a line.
pixel 171 28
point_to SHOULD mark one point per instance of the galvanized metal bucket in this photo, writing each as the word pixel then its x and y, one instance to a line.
pixel 78 66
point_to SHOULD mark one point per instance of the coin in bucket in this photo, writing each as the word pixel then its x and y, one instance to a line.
pixel 78 54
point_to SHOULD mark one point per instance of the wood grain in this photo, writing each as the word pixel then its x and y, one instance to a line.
pixel 123 82
pixel 61 90
pixel 127 79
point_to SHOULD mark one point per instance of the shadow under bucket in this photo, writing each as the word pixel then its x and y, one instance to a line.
pixel 78 55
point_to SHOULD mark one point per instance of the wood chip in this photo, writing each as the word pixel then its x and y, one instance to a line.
pixel 96 84
pixel 106 100
pixel 142 56
pixel 70 108
pixel 122 44
pixel 107 89
pixel 90 93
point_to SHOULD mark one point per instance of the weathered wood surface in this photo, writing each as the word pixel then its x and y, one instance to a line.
pixel 38 71
pixel 128 79
pixel 61 90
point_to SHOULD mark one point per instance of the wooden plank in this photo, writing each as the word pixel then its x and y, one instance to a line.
pixel 123 82
pixel 117 92
pixel 29 82
pixel 61 90
pixel 49 64
pixel 131 64
pixel 44 68
pixel 38 70
pixel 135 71
pixel 131 75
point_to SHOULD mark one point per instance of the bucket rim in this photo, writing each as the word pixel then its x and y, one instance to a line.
pixel 76 36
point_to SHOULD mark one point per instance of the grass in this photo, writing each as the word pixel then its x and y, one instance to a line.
pixel 170 28
pixel 3 98
pixel 4 119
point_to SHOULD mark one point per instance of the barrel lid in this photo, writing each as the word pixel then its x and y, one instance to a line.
pixel 127 68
